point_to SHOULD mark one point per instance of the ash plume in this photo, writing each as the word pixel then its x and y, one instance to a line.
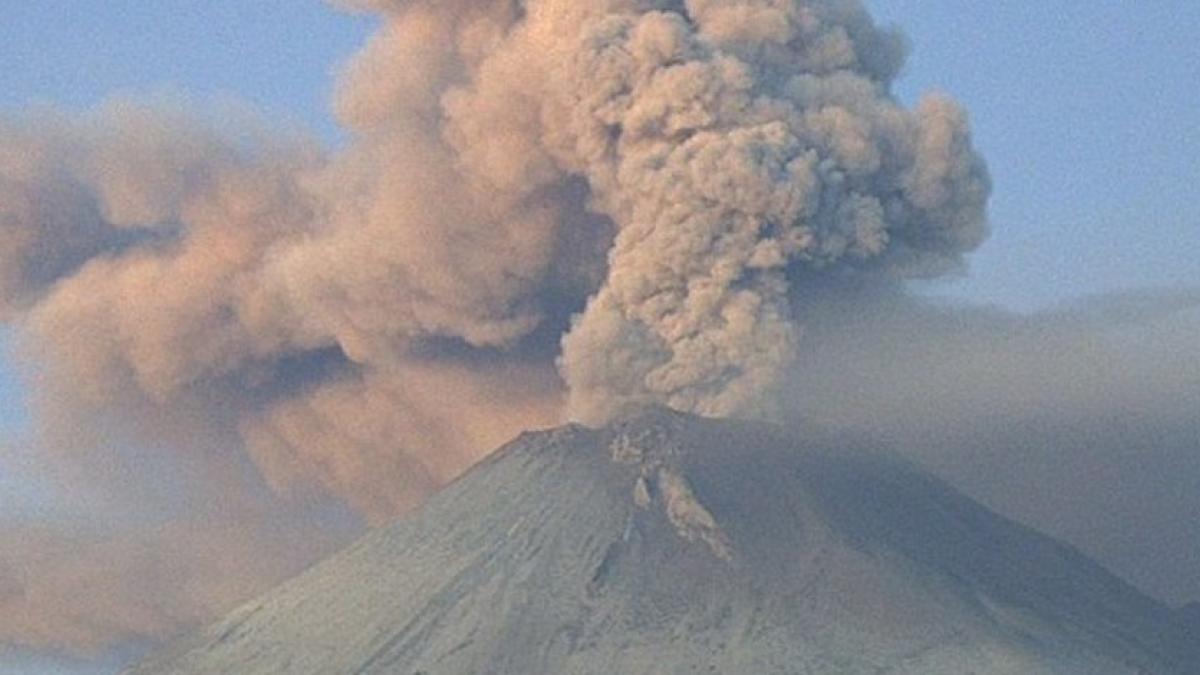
pixel 86 589
pixel 739 147
pixel 546 209
pixel 668 173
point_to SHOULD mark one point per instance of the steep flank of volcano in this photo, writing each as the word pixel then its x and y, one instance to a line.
pixel 668 543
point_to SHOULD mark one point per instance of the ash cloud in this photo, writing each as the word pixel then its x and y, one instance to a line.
pixel 1078 420
pixel 84 589
pixel 735 147
pixel 647 183
pixel 545 210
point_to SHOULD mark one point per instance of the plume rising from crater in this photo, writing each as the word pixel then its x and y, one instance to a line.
pixel 545 209
pixel 632 192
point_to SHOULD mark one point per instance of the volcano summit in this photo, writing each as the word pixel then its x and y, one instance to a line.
pixel 667 543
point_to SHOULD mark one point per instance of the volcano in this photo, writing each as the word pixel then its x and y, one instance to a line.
pixel 667 543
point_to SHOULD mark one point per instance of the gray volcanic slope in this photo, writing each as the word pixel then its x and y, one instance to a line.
pixel 672 544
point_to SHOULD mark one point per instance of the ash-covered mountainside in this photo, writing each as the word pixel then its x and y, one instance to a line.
pixel 668 543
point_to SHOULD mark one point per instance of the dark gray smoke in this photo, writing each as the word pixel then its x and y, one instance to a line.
pixel 1080 421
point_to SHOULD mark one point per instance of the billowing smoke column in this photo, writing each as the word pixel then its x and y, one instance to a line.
pixel 738 146
pixel 546 208
pixel 622 196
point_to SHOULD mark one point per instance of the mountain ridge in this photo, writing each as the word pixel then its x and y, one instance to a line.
pixel 671 543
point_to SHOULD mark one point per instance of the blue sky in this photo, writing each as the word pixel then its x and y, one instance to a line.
pixel 276 54
pixel 12 403
pixel 1089 115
